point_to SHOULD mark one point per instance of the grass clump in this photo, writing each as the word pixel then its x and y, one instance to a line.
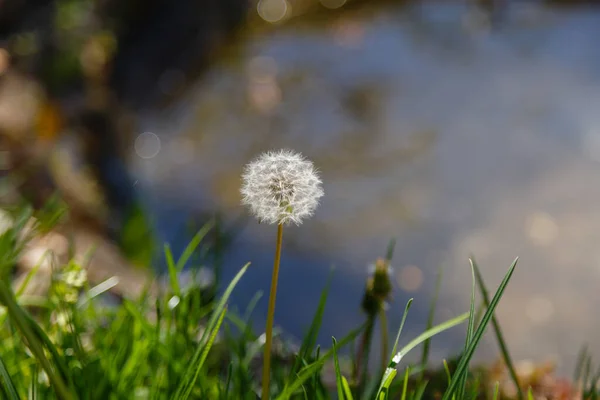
pixel 184 342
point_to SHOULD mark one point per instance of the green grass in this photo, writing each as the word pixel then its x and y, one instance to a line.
pixel 184 344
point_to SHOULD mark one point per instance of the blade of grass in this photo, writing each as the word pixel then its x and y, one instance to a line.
pixel 447 370
pixel 496 390
pixel 388 378
pixel 228 382
pixel 362 359
pixel 31 274
pixel 172 271
pixel 464 360
pixel 34 393
pixel 530 394
pixel 211 339
pixel 426 345
pixel 347 391
pixel 587 369
pixel 315 376
pixel 58 360
pixel 9 386
pixel 311 369
pixel 390 250
pixel 408 304
pixel 594 381
pixel 451 323
pixel 373 387
pixel 391 369
pixel 252 305
pixel 310 339
pixel 418 395
pixel 474 389
pixel 470 325
pixel 405 384
pixel 190 374
pixel 384 336
pixel 17 315
pixel 193 244
pixel 497 330
pixel 581 356
pixel 338 375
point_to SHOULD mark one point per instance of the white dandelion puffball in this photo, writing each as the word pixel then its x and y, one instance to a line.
pixel 281 187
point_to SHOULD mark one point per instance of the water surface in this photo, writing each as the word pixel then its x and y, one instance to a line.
pixel 451 138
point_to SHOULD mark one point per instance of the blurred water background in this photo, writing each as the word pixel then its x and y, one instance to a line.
pixel 432 124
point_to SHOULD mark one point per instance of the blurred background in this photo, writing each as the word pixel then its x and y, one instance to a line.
pixel 456 127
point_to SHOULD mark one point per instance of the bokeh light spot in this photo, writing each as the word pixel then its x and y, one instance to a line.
pixel 264 92
pixel 147 145
pixel 348 33
pixel 542 228
pixel 410 278
pixel 333 4
pixel 273 11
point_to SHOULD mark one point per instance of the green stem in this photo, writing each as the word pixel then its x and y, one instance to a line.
pixel 270 316
pixel 384 338
pixel 33 343
pixel 360 374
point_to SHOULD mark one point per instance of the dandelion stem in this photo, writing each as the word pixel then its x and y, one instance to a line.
pixel 270 316
pixel 362 356
pixel 384 338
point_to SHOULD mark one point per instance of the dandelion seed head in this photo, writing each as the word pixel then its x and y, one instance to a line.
pixel 281 187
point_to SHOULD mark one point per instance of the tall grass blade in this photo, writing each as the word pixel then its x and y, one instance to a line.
pixel 418 394
pixel 405 383
pixel 7 382
pixel 211 339
pixel 25 326
pixel 338 374
pixel 466 357
pixel 228 382
pixel 594 382
pixel 312 369
pixel 31 274
pixel 497 331
pixel 581 356
pixel 193 244
pixel 58 360
pixel 427 344
pixel 404 315
pixel 447 371
pixel 172 271
pixel 390 250
pixel 35 385
pixel 451 323
pixel 530 394
pixel 496 390
pixel 470 325
pixel 347 391
pixel 190 375
pixel 587 370
pixel 310 339
pixel 391 369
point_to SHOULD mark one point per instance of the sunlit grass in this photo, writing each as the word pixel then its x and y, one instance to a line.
pixel 183 344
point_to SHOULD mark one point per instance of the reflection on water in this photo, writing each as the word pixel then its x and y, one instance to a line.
pixel 451 138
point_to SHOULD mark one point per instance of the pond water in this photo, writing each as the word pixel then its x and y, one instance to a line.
pixel 427 127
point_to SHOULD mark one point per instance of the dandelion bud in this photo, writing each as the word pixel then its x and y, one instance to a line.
pixel 281 187
pixel 378 288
